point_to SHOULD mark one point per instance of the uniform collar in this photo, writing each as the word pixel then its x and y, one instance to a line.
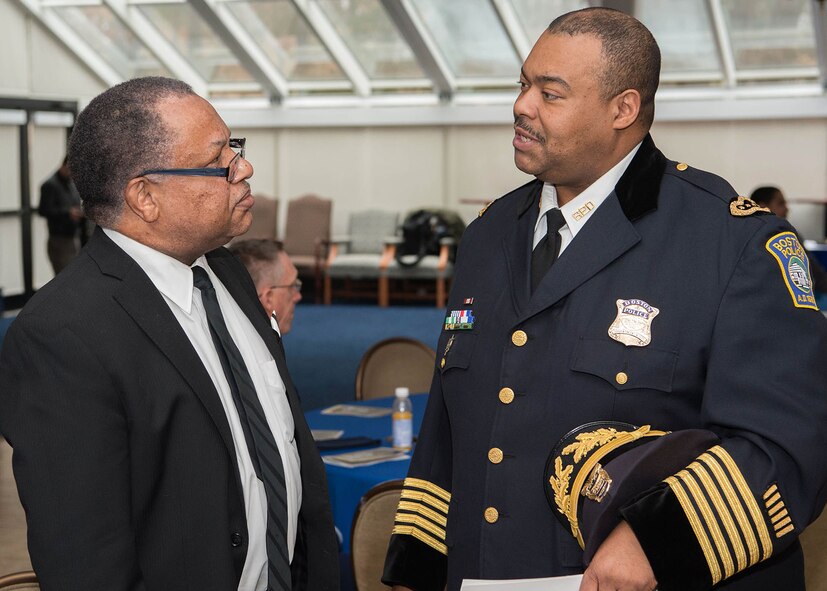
pixel 637 189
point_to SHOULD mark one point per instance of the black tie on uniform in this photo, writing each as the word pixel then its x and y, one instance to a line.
pixel 548 248
pixel 257 433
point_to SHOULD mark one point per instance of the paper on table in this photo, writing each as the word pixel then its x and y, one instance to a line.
pixel 569 583
pixel 367 457
pixel 355 410
pixel 326 434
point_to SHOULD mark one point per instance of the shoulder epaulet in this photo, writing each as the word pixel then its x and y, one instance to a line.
pixel 743 206
pixel 714 185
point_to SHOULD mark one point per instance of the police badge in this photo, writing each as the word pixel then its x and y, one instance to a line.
pixel 633 324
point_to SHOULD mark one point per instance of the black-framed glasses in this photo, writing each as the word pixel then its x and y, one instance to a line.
pixel 228 172
pixel 295 286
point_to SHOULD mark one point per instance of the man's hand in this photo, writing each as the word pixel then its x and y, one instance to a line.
pixel 619 565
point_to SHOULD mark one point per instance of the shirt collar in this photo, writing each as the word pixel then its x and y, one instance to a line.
pixel 170 276
pixel 578 211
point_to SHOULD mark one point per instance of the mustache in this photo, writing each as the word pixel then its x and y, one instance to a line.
pixel 522 122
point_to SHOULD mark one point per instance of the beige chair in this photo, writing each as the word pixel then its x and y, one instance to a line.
pixel 24 581
pixel 814 542
pixel 398 361
pixel 265 219
pixel 356 261
pixel 371 533
pixel 306 236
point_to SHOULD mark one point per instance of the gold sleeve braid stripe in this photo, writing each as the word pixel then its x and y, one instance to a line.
pixel 723 510
pixel 782 523
pixel 723 513
pixel 423 513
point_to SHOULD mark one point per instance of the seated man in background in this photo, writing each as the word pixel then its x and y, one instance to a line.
pixel 773 199
pixel 276 278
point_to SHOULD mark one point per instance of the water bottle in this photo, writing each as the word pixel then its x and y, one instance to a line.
pixel 402 420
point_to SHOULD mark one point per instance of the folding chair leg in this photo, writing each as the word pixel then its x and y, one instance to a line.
pixel 327 291
pixel 383 292
pixel 440 292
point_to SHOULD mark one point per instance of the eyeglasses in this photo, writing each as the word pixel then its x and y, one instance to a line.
pixel 295 286
pixel 236 143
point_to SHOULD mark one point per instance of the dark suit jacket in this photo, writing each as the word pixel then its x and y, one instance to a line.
pixel 122 451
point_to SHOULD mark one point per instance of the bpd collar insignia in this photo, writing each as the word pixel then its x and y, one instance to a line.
pixel 609 463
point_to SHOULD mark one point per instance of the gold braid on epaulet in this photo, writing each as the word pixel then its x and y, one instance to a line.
pixel 743 206
pixel 483 210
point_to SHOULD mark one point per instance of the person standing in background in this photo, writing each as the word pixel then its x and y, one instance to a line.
pixel 277 281
pixel 60 205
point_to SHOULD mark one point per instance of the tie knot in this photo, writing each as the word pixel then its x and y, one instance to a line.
pixel 200 279
pixel 554 220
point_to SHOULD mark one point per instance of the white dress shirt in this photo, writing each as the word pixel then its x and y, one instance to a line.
pixel 578 211
pixel 174 280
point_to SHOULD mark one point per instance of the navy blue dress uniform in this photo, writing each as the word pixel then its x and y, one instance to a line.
pixel 660 312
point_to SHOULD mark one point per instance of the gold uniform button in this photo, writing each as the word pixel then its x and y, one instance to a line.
pixel 621 378
pixel 495 455
pixel 506 395
pixel 519 338
pixel 442 362
pixel 682 166
pixel 491 515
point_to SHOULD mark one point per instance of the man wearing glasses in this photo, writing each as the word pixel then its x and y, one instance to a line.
pixel 159 444
pixel 277 280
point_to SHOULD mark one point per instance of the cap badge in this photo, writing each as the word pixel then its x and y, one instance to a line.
pixel 633 324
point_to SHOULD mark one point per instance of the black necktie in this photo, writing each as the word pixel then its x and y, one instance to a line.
pixel 546 251
pixel 260 442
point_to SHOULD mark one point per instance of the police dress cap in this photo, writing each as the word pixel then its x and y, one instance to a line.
pixel 599 467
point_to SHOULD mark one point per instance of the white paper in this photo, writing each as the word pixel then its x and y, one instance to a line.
pixel 366 457
pixel 326 434
pixel 356 410
pixel 569 583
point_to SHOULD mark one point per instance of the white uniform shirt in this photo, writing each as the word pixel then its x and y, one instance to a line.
pixel 174 280
pixel 578 211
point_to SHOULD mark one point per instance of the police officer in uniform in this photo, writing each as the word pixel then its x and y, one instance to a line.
pixel 619 286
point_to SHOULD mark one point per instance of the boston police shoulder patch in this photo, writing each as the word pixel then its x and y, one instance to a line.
pixel 795 268
pixel 743 206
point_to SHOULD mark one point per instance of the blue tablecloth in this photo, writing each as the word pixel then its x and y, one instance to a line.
pixel 347 485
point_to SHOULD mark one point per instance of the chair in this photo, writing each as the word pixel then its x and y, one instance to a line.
pixel 265 219
pixel 398 361
pixel 371 533
pixel 306 234
pixel 361 256
pixel 431 268
pixel 814 543
pixel 23 581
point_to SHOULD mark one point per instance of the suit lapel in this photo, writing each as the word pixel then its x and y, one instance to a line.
pixel 146 306
pixel 606 236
